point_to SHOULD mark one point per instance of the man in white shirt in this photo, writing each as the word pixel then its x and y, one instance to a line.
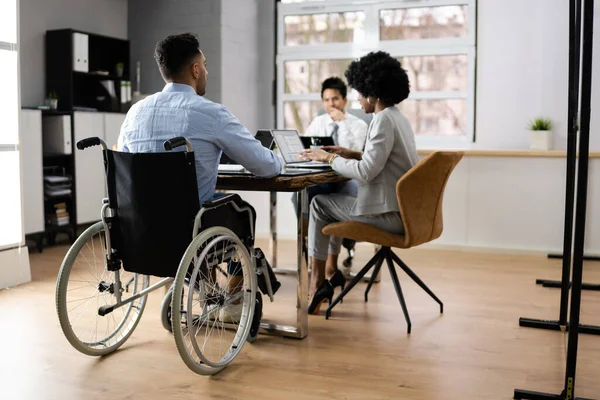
pixel 346 130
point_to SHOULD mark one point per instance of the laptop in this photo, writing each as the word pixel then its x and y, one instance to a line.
pixel 227 164
pixel 290 145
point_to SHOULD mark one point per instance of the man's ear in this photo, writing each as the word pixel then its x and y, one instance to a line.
pixel 195 70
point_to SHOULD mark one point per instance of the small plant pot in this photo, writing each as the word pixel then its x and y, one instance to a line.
pixel 541 140
pixel 119 71
pixel 52 103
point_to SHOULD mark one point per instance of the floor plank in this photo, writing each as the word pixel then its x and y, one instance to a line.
pixel 475 350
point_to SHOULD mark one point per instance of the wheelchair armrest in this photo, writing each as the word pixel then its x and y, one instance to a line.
pixel 222 200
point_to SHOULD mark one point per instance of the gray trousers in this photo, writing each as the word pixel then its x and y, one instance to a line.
pixel 330 208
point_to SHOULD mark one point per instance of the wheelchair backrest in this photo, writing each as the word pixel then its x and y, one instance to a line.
pixel 155 196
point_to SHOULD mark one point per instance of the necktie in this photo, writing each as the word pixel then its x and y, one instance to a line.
pixel 334 133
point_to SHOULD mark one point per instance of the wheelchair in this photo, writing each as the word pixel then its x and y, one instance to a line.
pixel 152 225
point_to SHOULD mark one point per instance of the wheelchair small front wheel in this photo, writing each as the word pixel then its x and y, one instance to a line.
pixel 165 311
pixel 213 300
pixel 84 285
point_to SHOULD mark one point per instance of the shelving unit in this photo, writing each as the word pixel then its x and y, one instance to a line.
pixel 82 70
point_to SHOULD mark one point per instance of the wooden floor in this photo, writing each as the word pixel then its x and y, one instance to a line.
pixel 475 350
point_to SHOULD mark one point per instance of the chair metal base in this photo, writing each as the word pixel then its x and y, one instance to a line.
pixel 386 253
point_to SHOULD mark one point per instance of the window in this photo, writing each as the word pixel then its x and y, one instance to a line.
pixel 324 28
pixel 10 179
pixel 434 40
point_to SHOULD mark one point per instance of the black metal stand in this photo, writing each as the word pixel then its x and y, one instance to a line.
pixel 558 284
pixel 585 258
pixel 580 211
pixel 564 284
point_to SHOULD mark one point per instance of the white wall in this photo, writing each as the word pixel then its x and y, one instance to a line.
pixel 106 17
pixel 152 20
pixel 247 28
pixel 522 71
pixel 507 203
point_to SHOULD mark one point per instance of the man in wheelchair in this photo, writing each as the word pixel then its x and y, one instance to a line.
pixel 153 225
pixel 181 110
pixel 162 219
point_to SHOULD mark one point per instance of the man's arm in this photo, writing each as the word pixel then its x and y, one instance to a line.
pixel 122 140
pixel 239 144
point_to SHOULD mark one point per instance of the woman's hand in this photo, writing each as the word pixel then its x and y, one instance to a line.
pixel 315 155
pixel 343 152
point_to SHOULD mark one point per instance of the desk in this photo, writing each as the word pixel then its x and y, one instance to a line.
pixel 236 182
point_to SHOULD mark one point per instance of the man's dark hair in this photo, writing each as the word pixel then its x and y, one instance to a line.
pixel 175 52
pixel 379 75
pixel 334 83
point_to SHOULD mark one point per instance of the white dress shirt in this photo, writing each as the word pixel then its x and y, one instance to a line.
pixel 352 131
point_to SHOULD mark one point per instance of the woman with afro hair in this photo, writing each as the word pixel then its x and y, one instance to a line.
pixel 389 152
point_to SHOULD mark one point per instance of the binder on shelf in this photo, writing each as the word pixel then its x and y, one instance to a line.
pixel 80 52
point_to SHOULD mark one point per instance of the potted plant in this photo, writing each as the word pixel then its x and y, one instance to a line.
pixel 541 133
pixel 52 100
pixel 119 69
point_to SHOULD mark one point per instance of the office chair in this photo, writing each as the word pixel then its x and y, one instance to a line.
pixel 420 193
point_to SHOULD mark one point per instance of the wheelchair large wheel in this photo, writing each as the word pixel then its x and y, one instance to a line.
pixel 202 294
pixel 84 285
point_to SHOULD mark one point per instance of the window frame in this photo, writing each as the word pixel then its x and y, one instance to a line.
pixel 396 48
pixel 13 146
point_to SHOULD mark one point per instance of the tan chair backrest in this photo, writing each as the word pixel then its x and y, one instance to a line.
pixel 420 193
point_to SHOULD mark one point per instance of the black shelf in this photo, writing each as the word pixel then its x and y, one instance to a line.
pixel 101 76
pixel 56 155
pixel 86 89
pixel 46 113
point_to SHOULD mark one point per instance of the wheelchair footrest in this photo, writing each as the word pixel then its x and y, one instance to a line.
pixel 266 272
pixel 255 326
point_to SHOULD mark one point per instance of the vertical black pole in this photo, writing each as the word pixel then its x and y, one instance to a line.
pixel 582 183
pixel 573 105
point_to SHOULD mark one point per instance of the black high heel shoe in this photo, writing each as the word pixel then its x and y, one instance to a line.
pixel 324 292
pixel 338 279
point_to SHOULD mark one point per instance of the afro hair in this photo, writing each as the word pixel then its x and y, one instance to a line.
pixel 379 75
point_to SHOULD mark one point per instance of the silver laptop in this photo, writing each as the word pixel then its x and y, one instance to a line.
pixel 290 145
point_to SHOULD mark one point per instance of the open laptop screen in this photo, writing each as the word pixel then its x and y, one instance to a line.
pixel 289 144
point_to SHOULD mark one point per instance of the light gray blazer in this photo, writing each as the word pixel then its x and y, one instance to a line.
pixel 390 151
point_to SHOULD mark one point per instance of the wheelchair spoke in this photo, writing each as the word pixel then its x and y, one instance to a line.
pixel 85 285
pixel 216 315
